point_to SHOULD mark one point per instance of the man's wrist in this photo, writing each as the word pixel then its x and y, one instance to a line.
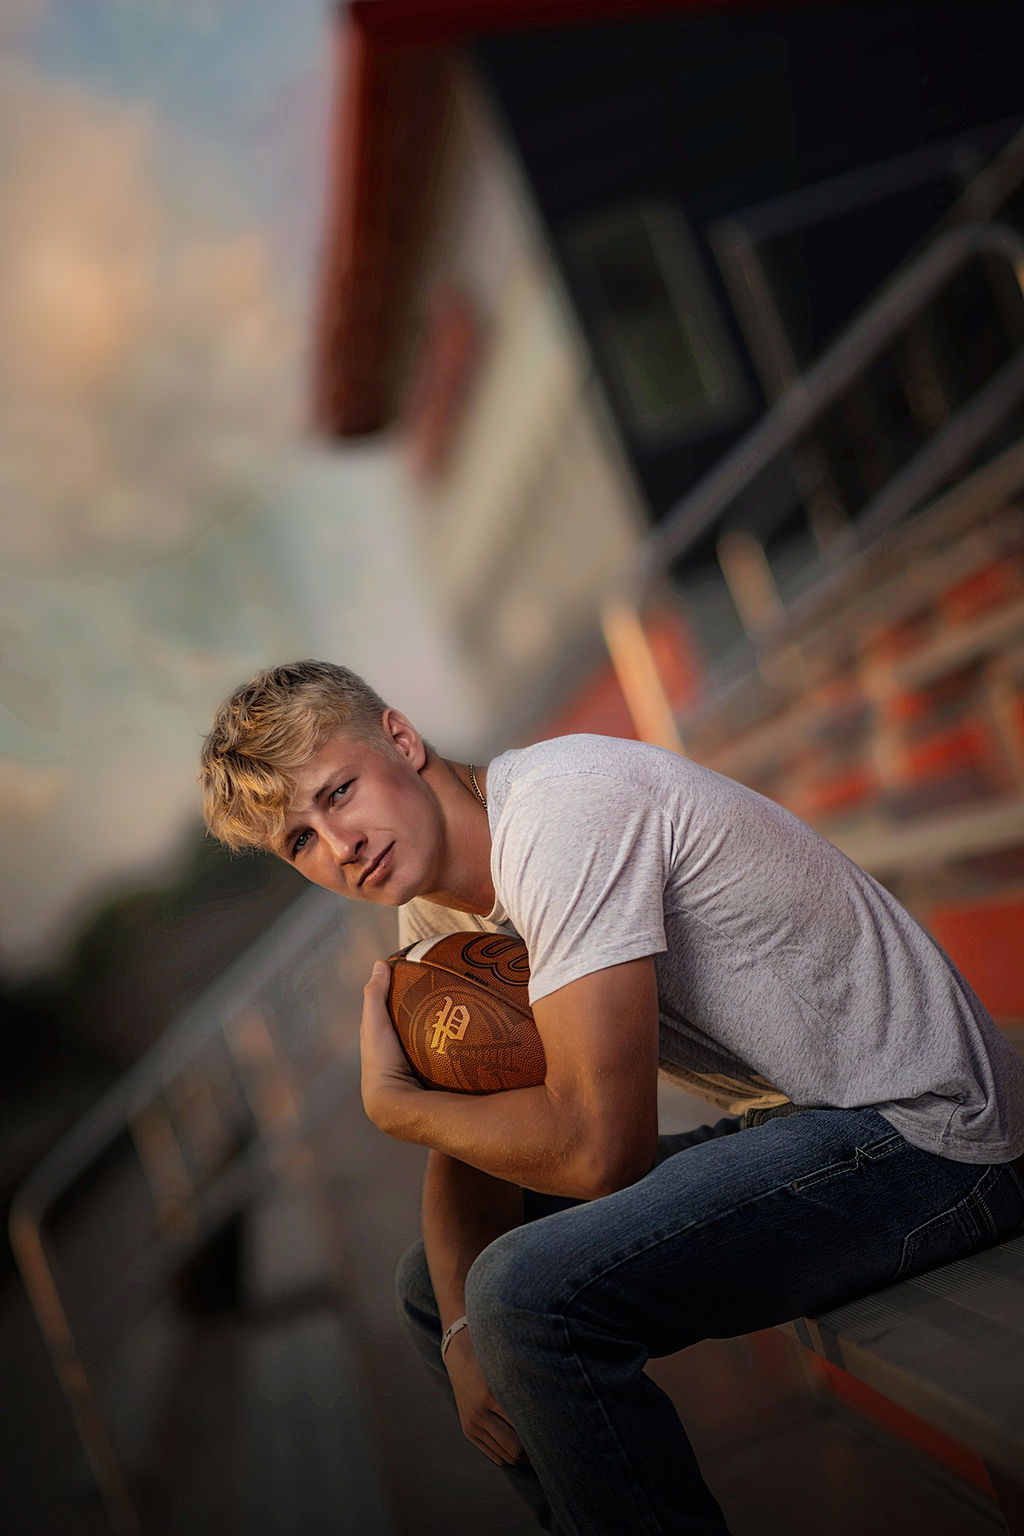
pixel 450 1333
pixel 394 1106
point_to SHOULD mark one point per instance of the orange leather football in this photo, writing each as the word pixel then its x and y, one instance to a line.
pixel 460 1008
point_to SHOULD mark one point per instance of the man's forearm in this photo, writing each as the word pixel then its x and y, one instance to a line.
pixel 524 1136
pixel 518 1136
pixel 463 1211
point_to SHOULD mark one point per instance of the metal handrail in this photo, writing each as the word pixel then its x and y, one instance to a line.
pixel 239 993
pixel 818 389
pixel 244 978
pixel 803 403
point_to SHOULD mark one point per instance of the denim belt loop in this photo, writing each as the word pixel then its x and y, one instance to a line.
pixel 774 1112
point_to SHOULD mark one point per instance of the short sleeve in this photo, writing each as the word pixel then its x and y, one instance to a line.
pixel 580 863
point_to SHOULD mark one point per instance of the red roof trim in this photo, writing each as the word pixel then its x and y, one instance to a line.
pixel 391 56
pixel 442 21
pixel 379 174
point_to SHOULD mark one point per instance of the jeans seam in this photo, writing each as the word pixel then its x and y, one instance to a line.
pixel 964 1214
pixel 873 1154
pixel 669 1237
pixel 980 1193
pixel 672 1236
pixel 943 1219
pixel 885 1147
pixel 980 1196
pixel 1018 1178
pixel 893 1143
pixel 652 1523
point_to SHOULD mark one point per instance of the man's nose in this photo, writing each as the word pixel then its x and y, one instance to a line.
pixel 344 845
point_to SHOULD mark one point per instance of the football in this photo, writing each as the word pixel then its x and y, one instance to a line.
pixel 460 1008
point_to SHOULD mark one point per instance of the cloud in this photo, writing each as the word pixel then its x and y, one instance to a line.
pixel 150 365
pixel 104 699
pixel 18 18
pixel 142 361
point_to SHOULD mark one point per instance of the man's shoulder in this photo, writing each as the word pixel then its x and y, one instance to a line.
pixel 575 798
pixel 585 775
pixel 583 755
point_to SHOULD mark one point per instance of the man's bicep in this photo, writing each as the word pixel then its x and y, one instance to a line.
pixel 583 873
pixel 600 1037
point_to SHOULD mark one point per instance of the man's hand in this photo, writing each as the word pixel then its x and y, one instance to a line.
pixel 387 1077
pixel 482 1420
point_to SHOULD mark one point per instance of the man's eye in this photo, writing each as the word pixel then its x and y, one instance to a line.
pixel 336 794
pixel 300 843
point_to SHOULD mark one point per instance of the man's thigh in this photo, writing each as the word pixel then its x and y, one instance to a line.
pixel 745 1230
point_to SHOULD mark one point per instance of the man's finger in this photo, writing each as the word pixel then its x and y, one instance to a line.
pixel 377 982
pixel 490 1449
pixel 493 1448
pixel 504 1435
pixel 377 1033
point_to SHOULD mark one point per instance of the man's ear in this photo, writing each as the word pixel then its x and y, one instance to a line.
pixel 404 737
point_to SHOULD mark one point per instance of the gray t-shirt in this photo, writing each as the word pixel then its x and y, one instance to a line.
pixel 784 971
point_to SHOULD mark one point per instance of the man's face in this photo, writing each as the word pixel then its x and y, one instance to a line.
pixel 363 822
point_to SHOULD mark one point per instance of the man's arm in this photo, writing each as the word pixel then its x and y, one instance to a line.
pixel 589 1129
pixel 463 1211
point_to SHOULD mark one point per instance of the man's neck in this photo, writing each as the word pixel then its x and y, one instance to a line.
pixel 465 878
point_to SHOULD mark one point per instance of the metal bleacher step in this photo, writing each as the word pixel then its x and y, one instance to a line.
pixel 308 1459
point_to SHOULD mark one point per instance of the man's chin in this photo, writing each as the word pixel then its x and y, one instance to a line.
pixel 392 894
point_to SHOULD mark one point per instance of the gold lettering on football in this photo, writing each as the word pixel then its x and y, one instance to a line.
pixel 450 1023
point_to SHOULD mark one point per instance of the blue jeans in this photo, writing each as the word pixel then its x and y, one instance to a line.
pixel 733 1230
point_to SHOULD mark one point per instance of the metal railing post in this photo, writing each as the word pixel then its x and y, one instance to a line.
pixel 801 405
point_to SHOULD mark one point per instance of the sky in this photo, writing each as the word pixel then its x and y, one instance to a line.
pixel 166 525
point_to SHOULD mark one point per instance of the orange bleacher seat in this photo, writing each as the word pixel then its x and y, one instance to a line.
pixel 999 581
pixel 985 938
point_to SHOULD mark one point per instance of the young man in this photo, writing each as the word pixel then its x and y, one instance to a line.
pixel 672 918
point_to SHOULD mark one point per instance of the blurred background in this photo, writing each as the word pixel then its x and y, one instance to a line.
pixel 652 369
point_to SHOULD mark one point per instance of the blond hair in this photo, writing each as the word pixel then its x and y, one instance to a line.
pixel 266 732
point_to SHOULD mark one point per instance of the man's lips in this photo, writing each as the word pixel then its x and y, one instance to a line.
pixel 378 870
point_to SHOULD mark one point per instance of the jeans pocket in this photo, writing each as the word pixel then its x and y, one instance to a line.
pixel 874 1152
pixel 950 1235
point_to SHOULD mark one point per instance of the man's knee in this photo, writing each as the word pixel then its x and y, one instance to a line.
pixel 494 1302
pixel 492 1275
pixel 510 1286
